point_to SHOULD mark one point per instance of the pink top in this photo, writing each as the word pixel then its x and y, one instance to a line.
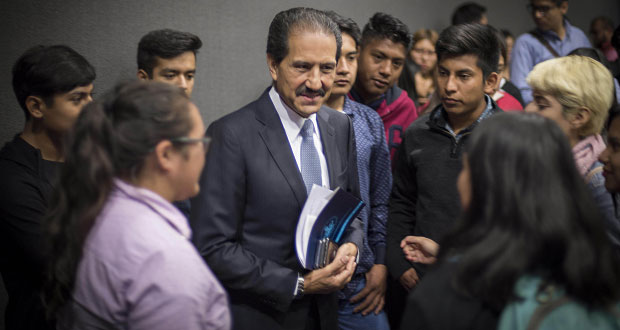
pixel 140 271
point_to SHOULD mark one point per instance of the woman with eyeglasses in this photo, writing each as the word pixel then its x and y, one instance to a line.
pixel 418 76
pixel 121 256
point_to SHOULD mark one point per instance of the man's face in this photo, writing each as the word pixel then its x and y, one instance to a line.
pixel 547 15
pixel 178 71
pixel 611 157
pixel 64 108
pixel 462 86
pixel 304 78
pixel 346 71
pixel 599 33
pixel 380 64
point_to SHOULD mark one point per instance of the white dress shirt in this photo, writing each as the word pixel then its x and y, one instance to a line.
pixel 292 123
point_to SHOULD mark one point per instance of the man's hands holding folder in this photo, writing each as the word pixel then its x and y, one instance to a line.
pixel 335 275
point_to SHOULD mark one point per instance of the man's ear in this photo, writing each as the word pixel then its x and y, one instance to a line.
pixel 582 117
pixel 165 155
pixel 491 83
pixel 564 7
pixel 273 67
pixel 142 75
pixel 36 106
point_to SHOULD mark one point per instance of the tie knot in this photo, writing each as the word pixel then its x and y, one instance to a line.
pixel 307 129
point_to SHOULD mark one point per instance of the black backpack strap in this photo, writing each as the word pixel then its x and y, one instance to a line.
pixel 544 42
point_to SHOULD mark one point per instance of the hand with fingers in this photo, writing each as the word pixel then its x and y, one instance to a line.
pixel 419 249
pixel 372 296
pixel 334 276
pixel 409 279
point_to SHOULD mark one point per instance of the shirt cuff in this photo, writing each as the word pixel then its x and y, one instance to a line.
pixel 380 254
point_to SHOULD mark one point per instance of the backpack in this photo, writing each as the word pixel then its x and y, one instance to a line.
pixel 549 308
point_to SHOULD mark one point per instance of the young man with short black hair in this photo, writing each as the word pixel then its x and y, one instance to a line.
pixel 424 200
pixel 361 301
pixel 169 56
pixel 384 47
pixel 52 84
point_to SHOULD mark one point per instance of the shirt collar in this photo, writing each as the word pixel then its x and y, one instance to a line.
pixel 347 107
pixel 442 115
pixel 165 209
pixel 290 119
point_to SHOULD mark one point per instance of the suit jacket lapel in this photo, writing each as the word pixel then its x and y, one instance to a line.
pixel 329 145
pixel 276 141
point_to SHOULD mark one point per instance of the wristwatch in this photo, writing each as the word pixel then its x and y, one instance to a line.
pixel 299 290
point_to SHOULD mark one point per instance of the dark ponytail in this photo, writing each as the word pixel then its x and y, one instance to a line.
pixel 111 138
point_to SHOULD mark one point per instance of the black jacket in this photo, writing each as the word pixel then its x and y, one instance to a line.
pixel 27 186
pixel 424 200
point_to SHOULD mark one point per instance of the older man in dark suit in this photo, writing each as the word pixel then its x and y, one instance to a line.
pixel 262 163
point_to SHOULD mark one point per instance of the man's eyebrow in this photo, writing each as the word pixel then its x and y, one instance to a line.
pixel 378 52
pixel 80 93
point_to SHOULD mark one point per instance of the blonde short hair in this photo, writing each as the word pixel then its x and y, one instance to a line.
pixel 576 82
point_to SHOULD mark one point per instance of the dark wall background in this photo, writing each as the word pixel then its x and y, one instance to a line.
pixel 232 67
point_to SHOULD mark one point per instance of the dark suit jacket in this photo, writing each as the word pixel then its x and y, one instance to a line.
pixel 245 218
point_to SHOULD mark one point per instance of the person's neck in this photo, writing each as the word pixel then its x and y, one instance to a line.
pixel 336 101
pixel 560 30
pixel 50 144
pixel 462 121
pixel 366 98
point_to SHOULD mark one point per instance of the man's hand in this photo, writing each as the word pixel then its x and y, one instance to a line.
pixel 409 279
pixel 334 276
pixel 374 291
pixel 419 249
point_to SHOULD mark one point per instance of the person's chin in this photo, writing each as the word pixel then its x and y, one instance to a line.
pixel 305 109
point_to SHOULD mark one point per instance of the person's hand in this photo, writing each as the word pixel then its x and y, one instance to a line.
pixel 335 275
pixel 419 249
pixel 373 293
pixel 347 250
pixel 409 279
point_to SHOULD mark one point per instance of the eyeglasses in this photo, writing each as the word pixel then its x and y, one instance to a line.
pixel 420 51
pixel 539 9
pixel 187 140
